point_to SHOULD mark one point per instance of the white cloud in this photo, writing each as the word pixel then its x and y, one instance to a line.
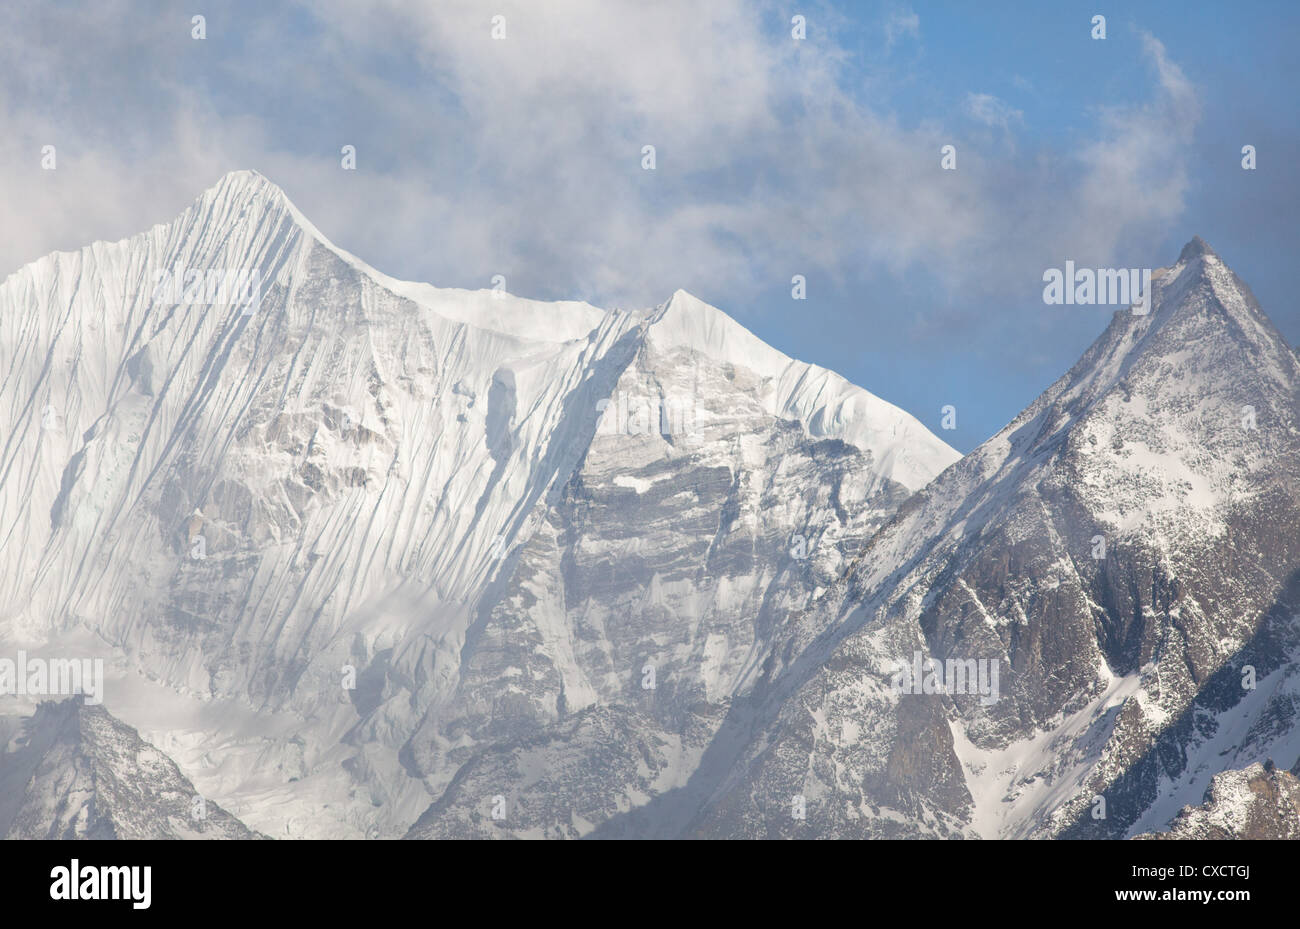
pixel 522 156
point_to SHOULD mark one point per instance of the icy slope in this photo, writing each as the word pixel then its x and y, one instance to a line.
pixel 251 503
pixel 826 404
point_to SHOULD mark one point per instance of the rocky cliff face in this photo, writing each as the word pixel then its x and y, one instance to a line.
pixel 75 772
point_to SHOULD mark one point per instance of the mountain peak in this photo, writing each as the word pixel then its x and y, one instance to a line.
pixel 237 192
pixel 825 403
pixel 1196 248
pixel 246 179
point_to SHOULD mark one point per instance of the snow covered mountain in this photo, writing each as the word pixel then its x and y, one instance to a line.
pixel 1126 553
pixel 372 558
pixel 362 534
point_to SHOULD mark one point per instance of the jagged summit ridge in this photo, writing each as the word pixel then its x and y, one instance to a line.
pixel 822 401
pixel 245 222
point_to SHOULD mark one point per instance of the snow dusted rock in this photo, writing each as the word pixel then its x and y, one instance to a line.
pixel 76 772
pixel 489 513
pixel 1126 553
pixel 660 572
pixel 1258 802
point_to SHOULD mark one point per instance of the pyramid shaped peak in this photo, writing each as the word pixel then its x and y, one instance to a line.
pixel 687 300
pixel 239 192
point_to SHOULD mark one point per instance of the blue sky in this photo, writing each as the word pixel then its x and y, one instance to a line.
pixel 775 157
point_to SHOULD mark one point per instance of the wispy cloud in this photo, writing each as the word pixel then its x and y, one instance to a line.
pixel 991 111
pixel 901 23
pixel 1136 174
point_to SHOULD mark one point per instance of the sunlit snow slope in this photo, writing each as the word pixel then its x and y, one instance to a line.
pixel 244 504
